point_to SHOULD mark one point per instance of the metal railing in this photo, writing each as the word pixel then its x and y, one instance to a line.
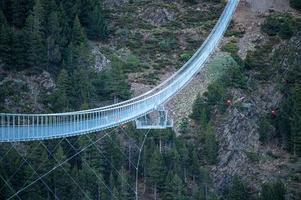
pixel 26 127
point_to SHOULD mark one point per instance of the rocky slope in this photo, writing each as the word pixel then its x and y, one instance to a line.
pixel 240 151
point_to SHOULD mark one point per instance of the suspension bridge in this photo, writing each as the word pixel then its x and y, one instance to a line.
pixel 29 127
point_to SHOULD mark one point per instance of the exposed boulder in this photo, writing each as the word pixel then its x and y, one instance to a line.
pixel 101 61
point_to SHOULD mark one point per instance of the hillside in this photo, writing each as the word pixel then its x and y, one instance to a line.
pixel 237 126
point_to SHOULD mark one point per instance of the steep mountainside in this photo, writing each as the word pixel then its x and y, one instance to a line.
pixel 237 133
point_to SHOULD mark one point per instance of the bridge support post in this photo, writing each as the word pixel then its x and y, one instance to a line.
pixel 157 119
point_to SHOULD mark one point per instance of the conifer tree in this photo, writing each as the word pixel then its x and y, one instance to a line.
pixel 92 19
pixel 61 97
pixel 96 28
pixel 35 45
pixel 237 190
pixel 116 84
pixel 210 146
pixel 174 188
pixel 193 163
pixel 156 172
pixel 20 11
pixel 53 40
pixel 3 20
pixel 61 184
pixel 273 191
pixel 71 9
pixel 6 43
pixel 19 51
pixel 296 4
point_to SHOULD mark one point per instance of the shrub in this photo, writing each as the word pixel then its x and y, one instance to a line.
pixel 264 130
pixel 279 24
pixel 185 57
pixel 230 47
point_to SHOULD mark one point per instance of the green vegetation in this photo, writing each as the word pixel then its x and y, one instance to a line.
pixel 236 190
pixel 296 4
pixel 230 47
pixel 169 168
pixel 48 35
pixel 53 36
pixel 273 191
pixel 283 25
pixel 288 121
pixel 264 129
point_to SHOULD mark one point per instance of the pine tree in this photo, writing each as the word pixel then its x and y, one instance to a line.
pixel 41 164
pixel 53 41
pixel 92 19
pixel 193 163
pixel 174 188
pixel 60 99
pixel 6 44
pixel 61 184
pixel 273 191
pixel 19 50
pixel 210 146
pixel 3 20
pixel 77 55
pixel 71 9
pixel 36 52
pixel 78 35
pixel 156 172
pixel 65 33
pixel 83 85
pixel 20 11
pixel 116 84
pixel 97 28
pixel 296 4
pixel 237 190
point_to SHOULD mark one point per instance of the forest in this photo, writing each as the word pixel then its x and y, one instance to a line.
pixel 54 35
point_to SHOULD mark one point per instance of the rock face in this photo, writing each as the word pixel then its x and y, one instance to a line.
pixel 100 60
pixel 158 16
pixel 240 150
pixel 23 91
pixel 114 3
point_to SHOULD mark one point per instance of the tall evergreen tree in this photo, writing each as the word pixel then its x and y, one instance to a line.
pixel 156 172
pixel 92 19
pixel 174 188
pixel 36 52
pixel 60 99
pixel 6 44
pixel 53 41
pixel 20 11
pixel 96 28
pixel 237 190
pixel 61 184
pixel 273 191
pixel 296 4
pixel 210 146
